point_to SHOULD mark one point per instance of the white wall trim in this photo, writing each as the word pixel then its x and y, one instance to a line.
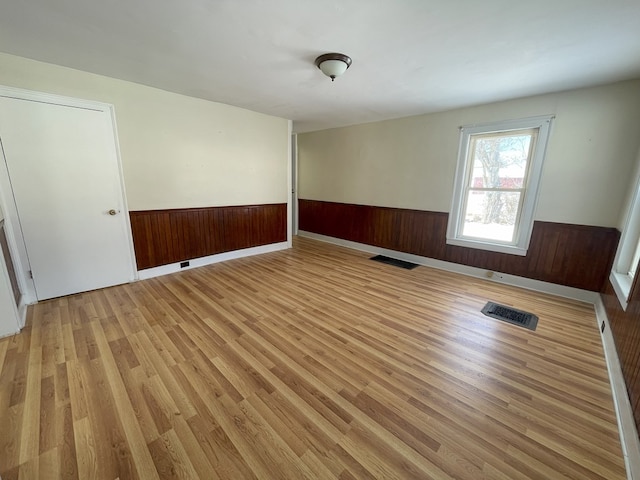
pixel 210 259
pixel 13 231
pixel 624 413
pixel 294 181
pixel 125 206
pixel 6 335
pixel 7 298
pixel 22 312
pixel 22 94
pixel 530 284
pixel 290 180
pixel 626 248
pixel 621 286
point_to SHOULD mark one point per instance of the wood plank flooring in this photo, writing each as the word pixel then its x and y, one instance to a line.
pixel 311 363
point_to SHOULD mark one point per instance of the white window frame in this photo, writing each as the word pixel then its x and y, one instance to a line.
pixel 524 225
pixel 619 277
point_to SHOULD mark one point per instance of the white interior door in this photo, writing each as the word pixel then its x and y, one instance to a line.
pixel 63 167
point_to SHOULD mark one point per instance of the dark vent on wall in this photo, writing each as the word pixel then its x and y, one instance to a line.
pixel 511 315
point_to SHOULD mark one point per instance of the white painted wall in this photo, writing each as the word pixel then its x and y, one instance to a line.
pixel 410 162
pixel 177 151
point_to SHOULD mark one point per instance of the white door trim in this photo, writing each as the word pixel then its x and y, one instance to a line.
pixel 294 180
pixel 22 94
pixel 15 240
pixel 290 180
pixel 7 298
pixel 7 202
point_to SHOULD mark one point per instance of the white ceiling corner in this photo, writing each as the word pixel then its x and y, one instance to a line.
pixel 409 56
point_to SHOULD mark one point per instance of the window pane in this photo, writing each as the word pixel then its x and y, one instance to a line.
pixel 500 161
pixel 491 215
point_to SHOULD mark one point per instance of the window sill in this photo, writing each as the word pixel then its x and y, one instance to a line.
pixel 493 247
pixel 622 286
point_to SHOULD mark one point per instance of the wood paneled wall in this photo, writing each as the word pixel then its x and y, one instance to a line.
pixel 572 255
pixel 625 327
pixel 161 237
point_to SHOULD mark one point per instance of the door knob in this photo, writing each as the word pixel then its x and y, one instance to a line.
pixel 112 212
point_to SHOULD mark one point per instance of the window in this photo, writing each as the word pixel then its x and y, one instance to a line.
pixel 499 168
pixel 625 264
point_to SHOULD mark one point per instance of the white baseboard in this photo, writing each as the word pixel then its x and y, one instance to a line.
pixel 208 260
pixel 528 283
pixel 10 334
pixel 20 317
pixel 626 423
pixel 624 413
pixel 22 312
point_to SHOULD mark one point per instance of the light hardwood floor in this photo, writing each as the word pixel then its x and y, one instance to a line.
pixel 309 363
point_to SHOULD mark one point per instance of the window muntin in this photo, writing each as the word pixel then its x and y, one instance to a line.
pixel 499 167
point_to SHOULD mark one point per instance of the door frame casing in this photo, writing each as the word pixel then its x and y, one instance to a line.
pixel 294 182
pixel 7 201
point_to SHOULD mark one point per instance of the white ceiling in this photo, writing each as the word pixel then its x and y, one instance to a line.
pixel 409 56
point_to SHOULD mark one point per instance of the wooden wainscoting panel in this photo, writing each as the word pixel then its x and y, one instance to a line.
pixel 625 327
pixel 161 237
pixel 573 255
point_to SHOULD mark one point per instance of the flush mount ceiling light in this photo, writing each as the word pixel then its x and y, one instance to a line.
pixel 333 64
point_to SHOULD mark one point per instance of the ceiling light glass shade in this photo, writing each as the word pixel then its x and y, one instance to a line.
pixel 333 68
pixel 333 64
